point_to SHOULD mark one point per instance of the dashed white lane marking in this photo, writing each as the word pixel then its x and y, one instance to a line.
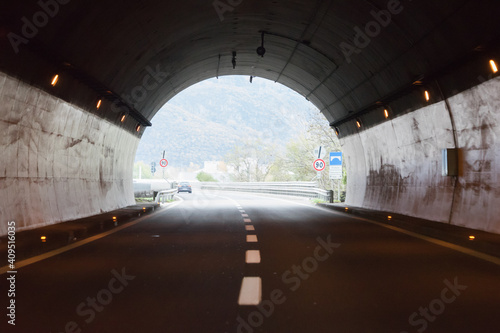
pixel 252 257
pixel 252 239
pixel 251 291
pixel 251 287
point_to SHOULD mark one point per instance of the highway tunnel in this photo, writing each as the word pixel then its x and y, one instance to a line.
pixel 399 81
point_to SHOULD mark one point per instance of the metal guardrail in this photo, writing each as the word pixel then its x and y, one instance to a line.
pixel 166 195
pixel 296 189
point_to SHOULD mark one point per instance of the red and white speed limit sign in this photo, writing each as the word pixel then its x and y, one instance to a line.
pixel 163 163
pixel 319 165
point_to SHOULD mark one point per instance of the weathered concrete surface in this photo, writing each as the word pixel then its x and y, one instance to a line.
pixel 477 118
pixel 58 162
pixel 346 56
pixel 396 166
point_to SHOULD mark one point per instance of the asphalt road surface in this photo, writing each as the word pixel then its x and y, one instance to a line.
pixel 184 269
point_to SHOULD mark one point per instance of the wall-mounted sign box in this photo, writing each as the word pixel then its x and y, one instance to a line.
pixel 450 162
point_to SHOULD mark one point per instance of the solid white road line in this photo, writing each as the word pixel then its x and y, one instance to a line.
pixel 458 248
pixel 50 254
pixel 252 257
pixel 251 291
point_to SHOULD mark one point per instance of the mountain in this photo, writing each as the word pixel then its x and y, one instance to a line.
pixel 207 120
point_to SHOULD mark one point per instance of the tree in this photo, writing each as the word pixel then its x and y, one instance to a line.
pixel 252 161
pixel 299 153
pixel 145 170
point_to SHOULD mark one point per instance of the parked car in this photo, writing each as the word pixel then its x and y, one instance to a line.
pixel 184 187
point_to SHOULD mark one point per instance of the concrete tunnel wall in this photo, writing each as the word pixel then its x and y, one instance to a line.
pixel 61 162
pixel 58 162
pixel 396 166
pixel 63 159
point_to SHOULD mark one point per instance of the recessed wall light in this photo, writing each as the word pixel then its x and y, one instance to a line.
pixel 99 103
pixel 386 113
pixel 493 65
pixel 55 79
pixel 427 96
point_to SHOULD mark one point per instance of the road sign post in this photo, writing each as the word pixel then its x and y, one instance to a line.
pixel 319 152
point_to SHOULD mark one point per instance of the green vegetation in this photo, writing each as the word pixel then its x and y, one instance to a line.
pixel 205 177
pixel 143 169
pixel 317 201
pixel 144 200
pixel 256 160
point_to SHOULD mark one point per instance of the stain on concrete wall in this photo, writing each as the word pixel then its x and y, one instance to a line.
pixel 58 162
pixel 400 162
pixel 477 116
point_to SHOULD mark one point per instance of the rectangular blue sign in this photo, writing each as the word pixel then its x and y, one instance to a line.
pixel 336 158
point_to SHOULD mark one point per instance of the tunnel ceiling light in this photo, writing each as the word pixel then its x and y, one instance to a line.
pixel 427 96
pixel 337 132
pixel 386 113
pixel 55 79
pixel 472 238
pixel 494 67
pixel 138 128
pixel 124 116
pixel 99 103
pixel 358 123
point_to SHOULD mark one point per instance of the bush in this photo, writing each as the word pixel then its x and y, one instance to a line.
pixel 205 177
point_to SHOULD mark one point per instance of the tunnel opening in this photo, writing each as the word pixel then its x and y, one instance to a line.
pixel 237 129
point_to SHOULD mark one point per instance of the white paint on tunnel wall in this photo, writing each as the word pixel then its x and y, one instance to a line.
pixel 58 161
pixel 396 166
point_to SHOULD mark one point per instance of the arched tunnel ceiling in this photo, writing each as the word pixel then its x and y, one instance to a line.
pixel 121 44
